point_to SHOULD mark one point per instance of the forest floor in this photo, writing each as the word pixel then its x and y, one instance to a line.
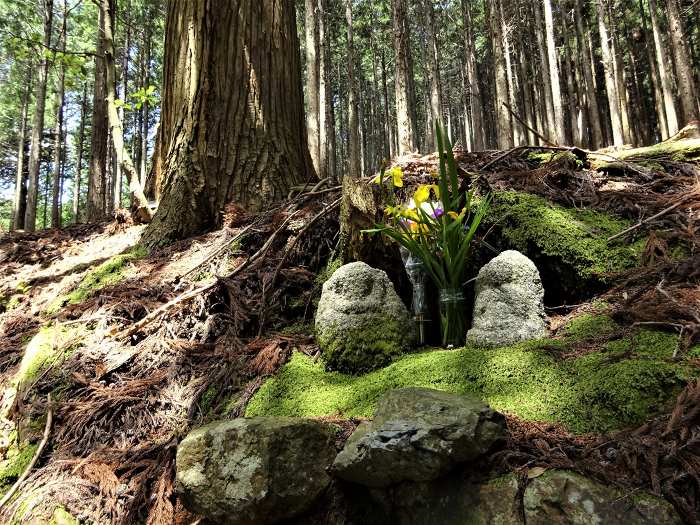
pixel 109 355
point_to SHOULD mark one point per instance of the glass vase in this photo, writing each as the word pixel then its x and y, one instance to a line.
pixel 416 274
pixel 453 317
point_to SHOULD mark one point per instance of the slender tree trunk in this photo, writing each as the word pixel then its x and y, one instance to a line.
pixel 594 115
pixel 654 74
pixel 433 69
pixel 548 103
pixel 405 108
pixel 354 144
pixel 19 204
pixel 58 139
pixel 232 124
pixel 503 120
pixel 663 62
pixel 610 82
pixel 326 128
pixel 558 106
pixel 38 124
pixel 97 178
pixel 313 87
pixel 123 158
pixel 684 71
pixel 517 130
pixel 79 155
pixel 620 80
pixel 474 93
pixel 145 108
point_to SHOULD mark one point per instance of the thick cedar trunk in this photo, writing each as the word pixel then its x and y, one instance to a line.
pixel 97 175
pixel 232 123
pixel 19 205
pixel 38 125
pixel 684 71
pixel 405 108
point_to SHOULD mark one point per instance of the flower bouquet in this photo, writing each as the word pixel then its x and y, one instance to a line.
pixel 438 225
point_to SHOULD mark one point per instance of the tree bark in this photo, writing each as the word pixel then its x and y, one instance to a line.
pixel 684 71
pixel 325 92
pixel 313 86
pixel 38 123
pixel 232 125
pixel 405 103
pixel 478 132
pixel 58 138
pixel 79 155
pixel 97 173
pixel 610 82
pixel 594 116
pixel 503 120
pixel 19 204
pixel 558 106
pixel 354 145
pixel 433 69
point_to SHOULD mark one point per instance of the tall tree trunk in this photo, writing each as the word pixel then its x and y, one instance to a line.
pixel 684 71
pixel 663 62
pixel 145 108
pixel 38 124
pixel 97 174
pixel 620 79
pixel 313 87
pixel 503 120
pixel 325 124
pixel 123 159
pixel 19 204
pixel 354 145
pixel 472 78
pixel 232 125
pixel 79 155
pixel 594 115
pixel 517 130
pixel 433 69
pixel 655 77
pixel 610 82
pixel 547 103
pixel 405 108
pixel 58 139
pixel 558 106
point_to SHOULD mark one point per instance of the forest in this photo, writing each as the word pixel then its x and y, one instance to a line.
pixel 349 261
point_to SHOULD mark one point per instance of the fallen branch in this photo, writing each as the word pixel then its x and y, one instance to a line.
pixel 645 221
pixel 518 149
pixel 534 131
pixel 35 458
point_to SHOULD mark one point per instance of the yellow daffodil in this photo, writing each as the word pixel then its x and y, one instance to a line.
pixel 453 214
pixel 423 193
pixel 396 174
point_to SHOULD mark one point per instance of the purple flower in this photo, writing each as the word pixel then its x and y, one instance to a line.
pixel 439 212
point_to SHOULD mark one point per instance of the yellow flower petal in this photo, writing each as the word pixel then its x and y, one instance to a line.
pixel 453 214
pixel 422 194
pixel 377 179
pixel 397 177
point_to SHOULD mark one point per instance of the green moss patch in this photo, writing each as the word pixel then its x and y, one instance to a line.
pixel 14 464
pixel 618 386
pixel 573 237
pixel 374 344
pixel 588 326
pixel 107 274
pixel 43 350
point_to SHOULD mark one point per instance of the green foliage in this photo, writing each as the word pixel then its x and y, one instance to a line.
pixel 440 234
pixel 107 274
pixel 577 237
pixel 613 387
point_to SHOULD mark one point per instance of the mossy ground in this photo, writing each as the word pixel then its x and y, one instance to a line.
pixel 16 460
pixel 616 386
pixel 576 237
pixel 106 274
pixel 49 345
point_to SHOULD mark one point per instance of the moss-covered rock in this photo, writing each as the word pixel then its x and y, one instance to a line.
pixel 616 386
pixel 568 244
pixel 361 324
pixel 49 345
pixel 15 461
pixel 106 274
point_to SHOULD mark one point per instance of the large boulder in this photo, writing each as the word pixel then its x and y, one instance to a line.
pixel 561 496
pixel 361 324
pixel 509 303
pixel 254 471
pixel 418 434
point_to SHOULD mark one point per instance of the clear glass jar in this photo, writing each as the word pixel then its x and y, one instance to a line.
pixel 453 317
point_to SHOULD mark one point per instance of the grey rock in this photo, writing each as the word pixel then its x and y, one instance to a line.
pixel 418 434
pixel 453 500
pixel 361 323
pixel 254 471
pixel 509 304
pixel 564 497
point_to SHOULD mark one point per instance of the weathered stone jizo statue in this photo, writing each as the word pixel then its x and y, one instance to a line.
pixel 509 303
